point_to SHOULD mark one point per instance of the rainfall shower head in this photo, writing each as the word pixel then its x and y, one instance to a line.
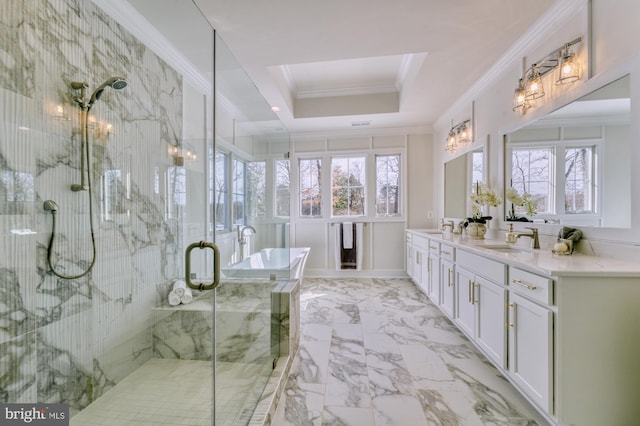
pixel 116 83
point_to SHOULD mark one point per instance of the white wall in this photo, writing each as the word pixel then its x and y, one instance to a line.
pixel 615 52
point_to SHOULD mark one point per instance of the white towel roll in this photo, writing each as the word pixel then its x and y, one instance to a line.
pixel 187 297
pixel 179 287
pixel 173 298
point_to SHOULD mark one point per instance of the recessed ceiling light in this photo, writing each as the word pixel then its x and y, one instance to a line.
pixel 275 109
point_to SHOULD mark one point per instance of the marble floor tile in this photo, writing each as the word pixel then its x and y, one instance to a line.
pixel 391 358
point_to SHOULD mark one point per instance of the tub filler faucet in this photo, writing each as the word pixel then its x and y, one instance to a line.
pixel 242 238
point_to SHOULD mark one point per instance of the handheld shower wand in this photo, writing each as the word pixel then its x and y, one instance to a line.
pixel 116 83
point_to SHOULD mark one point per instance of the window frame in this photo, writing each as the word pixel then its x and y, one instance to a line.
pixel 371 175
pixel 557 173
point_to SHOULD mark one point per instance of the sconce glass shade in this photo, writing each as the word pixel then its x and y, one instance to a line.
pixel 452 144
pixel 569 67
pixel 463 133
pixel 534 88
pixel 519 96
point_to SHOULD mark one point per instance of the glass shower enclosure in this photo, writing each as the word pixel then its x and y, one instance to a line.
pixel 186 151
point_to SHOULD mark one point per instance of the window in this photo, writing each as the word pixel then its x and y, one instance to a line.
pixel 221 190
pixel 579 180
pixel 310 178
pixel 256 188
pixel 283 188
pixel 238 193
pixel 348 179
pixel 477 169
pixel 388 185
pixel 532 173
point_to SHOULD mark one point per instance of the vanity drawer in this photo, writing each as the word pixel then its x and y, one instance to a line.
pixel 530 285
pixel 434 247
pixel 487 268
pixel 420 243
pixel 447 252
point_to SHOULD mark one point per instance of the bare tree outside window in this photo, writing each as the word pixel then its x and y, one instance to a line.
pixel 578 178
pixel 256 188
pixel 531 172
pixel 388 185
pixel 221 191
pixel 348 179
pixel 310 189
pixel 283 188
pixel 238 192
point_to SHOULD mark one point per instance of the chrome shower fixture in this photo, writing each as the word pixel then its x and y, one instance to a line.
pixel 51 206
pixel 116 83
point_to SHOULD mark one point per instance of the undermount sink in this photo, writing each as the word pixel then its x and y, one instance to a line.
pixel 508 249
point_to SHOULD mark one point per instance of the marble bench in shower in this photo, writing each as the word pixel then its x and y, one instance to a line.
pixel 257 320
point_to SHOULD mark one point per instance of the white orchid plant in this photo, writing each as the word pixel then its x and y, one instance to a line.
pixel 526 200
pixel 484 196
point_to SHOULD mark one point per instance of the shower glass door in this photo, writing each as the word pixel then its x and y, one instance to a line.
pixel 251 210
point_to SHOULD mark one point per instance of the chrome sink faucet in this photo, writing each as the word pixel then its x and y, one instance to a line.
pixel 242 238
pixel 533 235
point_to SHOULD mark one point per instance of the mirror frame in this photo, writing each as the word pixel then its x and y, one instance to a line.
pixel 630 67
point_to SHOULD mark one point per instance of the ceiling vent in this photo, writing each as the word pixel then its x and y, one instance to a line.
pixel 360 123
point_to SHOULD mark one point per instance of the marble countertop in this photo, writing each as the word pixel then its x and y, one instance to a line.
pixel 542 261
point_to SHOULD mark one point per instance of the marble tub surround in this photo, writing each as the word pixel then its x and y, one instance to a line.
pixel 72 340
pixel 542 260
pixel 378 352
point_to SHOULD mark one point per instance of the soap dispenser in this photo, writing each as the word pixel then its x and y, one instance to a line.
pixel 510 236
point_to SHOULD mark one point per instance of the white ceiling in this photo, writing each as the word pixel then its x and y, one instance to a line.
pixel 332 64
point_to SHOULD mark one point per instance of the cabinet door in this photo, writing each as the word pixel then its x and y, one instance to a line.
pixel 423 276
pixel 530 349
pixel 491 306
pixel 465 315
pixel 447 285
pixel 434 278
pixel 409 258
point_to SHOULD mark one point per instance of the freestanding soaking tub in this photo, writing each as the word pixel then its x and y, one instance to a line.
pixel 273 263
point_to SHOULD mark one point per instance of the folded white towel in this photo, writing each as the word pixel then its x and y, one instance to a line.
pixel 187 297
pixel 173 298
pixel 347 235
pixel 179 287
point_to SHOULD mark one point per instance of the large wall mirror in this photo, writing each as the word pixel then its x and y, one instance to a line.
pixel 574 163
pixel 460 175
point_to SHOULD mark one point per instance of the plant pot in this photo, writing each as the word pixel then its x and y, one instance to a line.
pixel 476 230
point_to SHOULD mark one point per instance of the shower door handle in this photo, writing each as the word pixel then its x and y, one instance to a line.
pixel 216 266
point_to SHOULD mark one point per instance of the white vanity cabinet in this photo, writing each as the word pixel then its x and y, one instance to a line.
pixel 433 272
pixel 480 303
pixel 531 336
pixel 447 280
pixel 417 262
pixel 562 329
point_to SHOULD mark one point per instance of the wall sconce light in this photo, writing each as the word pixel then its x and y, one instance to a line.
pixel 181 153
pixel 459 134
pixel 569 69
pixel 519 99
pixel 530 86
pixel 534 88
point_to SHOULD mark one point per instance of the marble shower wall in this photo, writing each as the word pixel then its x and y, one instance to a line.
pixel 71 340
